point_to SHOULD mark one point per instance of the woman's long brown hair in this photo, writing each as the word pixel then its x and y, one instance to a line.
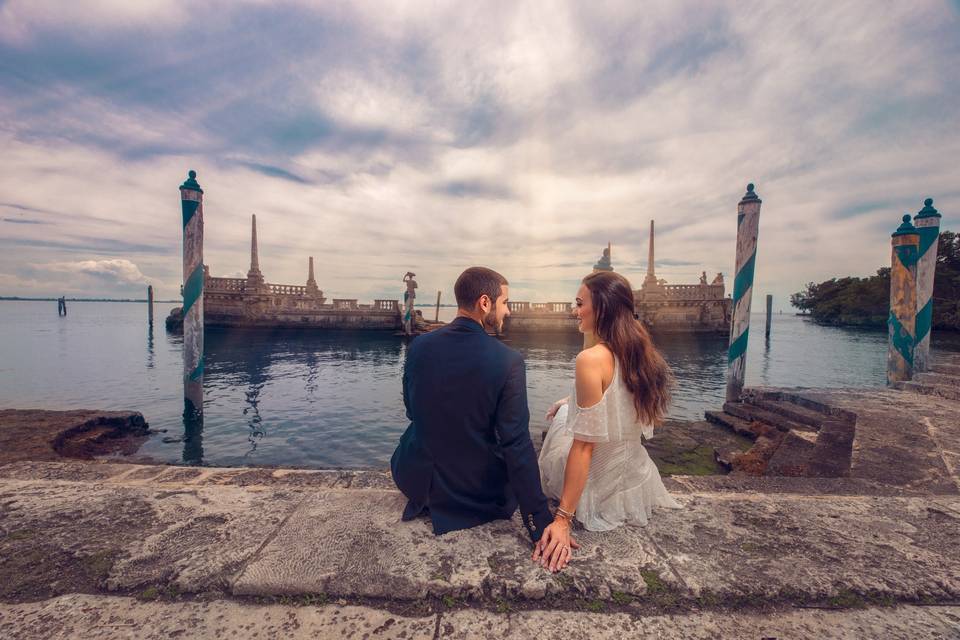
pixel 644 371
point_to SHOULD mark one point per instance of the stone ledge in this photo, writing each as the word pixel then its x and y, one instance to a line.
pixel 191 534
pixel 118 618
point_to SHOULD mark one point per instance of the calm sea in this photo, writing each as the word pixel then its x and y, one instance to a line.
pixel 333 400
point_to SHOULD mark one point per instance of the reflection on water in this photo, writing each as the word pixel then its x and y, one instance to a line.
pixel 334 400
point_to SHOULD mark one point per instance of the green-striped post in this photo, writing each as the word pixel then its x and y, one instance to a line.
pixel 901 323
pixel 927 223
pixel 191 201
pixel 748 225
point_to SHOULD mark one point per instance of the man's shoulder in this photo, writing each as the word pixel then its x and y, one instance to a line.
pixel 445 337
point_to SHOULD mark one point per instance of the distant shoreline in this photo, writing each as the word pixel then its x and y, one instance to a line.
pixel 17 298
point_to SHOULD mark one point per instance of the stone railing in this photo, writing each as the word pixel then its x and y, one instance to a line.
pixel 540 307
pixel 288 289
pixel 225 284
pixel 688 291
pixel 386 305
pixel 345 303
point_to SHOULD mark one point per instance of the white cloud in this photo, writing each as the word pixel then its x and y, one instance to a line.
pixel 380 138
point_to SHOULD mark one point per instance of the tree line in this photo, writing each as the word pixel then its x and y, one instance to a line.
pixel 865 302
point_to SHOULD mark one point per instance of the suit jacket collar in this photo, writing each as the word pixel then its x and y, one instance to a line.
pixel 467 323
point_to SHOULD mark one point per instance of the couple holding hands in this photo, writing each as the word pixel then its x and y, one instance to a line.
pixel 467 457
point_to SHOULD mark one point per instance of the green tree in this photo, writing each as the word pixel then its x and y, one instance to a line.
pixel 866 301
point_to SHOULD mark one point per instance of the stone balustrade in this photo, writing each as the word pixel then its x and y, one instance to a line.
pixel 288 289
pixel 225 284
pixel 687 291
pixel 522 307
pixel 386 305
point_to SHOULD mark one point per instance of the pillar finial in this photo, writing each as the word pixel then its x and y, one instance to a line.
pixel 191 182
pixel 750 195
pixel 928 211
pixel 905 227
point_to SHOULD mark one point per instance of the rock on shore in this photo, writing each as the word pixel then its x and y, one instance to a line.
pixel 34 434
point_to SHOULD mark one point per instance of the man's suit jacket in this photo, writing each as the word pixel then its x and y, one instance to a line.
pixel 467 456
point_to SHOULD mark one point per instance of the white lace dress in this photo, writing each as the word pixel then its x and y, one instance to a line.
pixel 624 484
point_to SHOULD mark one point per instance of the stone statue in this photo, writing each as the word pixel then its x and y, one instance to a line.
pixel 604 264
pixel 703 278
pixel 408 297
pixel 718 279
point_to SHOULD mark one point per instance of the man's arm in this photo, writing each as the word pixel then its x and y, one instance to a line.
pixel 513 431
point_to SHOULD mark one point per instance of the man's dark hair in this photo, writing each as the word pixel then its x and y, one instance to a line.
pixel 475 282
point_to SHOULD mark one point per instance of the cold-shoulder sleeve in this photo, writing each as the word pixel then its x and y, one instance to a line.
pixel 590 424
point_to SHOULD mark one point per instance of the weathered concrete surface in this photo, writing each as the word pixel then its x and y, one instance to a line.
pixel 58 537
pixel 130 528
pixel 114 618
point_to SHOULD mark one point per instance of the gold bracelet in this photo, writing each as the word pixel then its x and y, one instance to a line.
pixel 563 513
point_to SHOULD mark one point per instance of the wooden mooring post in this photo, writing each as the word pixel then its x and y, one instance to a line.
pixel 191 201
pixel 927 223
pixel 901 323
pixel 436 316
pixel 748 225
pixel 769 316
pixel 150 304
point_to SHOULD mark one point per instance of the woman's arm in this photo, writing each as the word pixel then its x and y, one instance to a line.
pixel 553 548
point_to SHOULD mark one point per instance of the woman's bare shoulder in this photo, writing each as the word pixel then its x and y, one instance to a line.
pixel 597 358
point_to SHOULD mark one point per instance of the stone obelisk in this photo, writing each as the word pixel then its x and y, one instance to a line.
pixel 901 323
pixel 312 288
pixel 927 223
pixel 191 201
pixel 748 225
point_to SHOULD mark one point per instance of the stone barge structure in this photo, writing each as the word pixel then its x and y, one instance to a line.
pixel 663 308
pixel 252 302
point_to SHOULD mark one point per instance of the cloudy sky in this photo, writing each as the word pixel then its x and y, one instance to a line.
pixel 394 136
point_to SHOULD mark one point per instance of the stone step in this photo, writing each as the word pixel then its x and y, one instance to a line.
pixel 949 369
pixel 947 357
pixel 735 424
pixel 950 392
pixel 752 412
pixel 793 456
pixel 936 377
pixel 791 411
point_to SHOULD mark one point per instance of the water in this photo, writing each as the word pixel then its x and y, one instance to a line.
pixel 334 400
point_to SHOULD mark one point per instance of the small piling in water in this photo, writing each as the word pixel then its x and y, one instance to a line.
pixel 769 316
pixel 901 322
pixel 150 304
pixel 748 225
pixel 436 316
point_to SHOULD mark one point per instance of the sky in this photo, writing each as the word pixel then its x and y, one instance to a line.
pixel 431 136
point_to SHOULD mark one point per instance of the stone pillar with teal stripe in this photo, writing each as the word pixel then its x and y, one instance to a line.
pixel 748 225
pixel 191 201
pixel 927 223
pixel 901 322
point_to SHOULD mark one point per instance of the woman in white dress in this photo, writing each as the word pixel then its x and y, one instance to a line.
pixel 593 460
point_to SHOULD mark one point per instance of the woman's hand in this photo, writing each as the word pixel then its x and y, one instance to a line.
pixel 554 408
pixel 553 550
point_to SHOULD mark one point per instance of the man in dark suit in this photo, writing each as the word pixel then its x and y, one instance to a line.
pixel 467 457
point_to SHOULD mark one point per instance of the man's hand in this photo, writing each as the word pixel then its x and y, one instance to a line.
pixel 552 411
pixel 553 551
